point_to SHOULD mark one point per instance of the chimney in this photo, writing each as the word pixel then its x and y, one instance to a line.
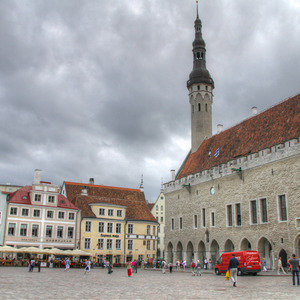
pixel 84 191
pixel 91 180
pixel 219 128
pixel 172 175
pixel 142 184
pixel 254 110
pixel 37 176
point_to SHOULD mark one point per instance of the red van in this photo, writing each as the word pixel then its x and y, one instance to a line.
pixel 249 262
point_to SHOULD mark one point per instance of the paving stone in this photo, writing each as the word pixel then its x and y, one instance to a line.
pixel 18 283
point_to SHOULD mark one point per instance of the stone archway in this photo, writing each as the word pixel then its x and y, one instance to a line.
pixel 201 252
pixel 214 251
pixel 189 253
pixel 228 247
pixel 170 252
pixel 265 251
pixel 179 250
pixel 245 245
pixel 284 257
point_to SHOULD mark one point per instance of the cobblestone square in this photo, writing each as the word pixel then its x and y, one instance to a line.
pixel 18 283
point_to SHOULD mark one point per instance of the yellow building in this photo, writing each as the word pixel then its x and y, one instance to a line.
pixel 116 223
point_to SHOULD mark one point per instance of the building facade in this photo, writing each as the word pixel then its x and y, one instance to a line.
pixel 158 211
pixel 5 189
pixel 116 223
pixel 40 216
pixel 239 190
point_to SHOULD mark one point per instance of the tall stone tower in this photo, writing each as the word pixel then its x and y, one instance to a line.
pixel 200 86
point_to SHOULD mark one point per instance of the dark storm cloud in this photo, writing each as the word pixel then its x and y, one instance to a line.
pixel 98 88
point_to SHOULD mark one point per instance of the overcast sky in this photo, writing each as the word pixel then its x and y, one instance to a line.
pixel 98 88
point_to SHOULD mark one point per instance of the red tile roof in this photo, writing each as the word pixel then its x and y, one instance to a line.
pixel 274 126
pixel 22 196
pixel 133 199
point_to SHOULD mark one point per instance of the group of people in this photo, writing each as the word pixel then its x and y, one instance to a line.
pixel 293 262
pixel 294 267
pixel 32 263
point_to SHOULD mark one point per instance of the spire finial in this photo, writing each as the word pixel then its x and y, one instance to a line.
pixel 197 9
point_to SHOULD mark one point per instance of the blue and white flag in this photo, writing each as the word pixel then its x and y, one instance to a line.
pixel 217 152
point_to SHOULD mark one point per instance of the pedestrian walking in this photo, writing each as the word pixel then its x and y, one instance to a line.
pixel 198 266
pixel 294 262
pixel 205 263
pixel 163 267
pixel 193 265
pixel 32 264
pixel 184 265
pixel 178 265
pixel 233 267
pixel 210 264
pixel 67 265
pixel 280 266
pixel 129 272
pixel 109 268
pixel 170 267
pixel 87 266
pixel 135 265
pixel 265 265
pixel 39 265
pixel 51 263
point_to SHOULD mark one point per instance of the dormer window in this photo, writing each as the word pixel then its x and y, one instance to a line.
pixel 102 211
pixel 37 198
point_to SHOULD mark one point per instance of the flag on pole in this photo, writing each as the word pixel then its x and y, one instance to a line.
pixel 217 152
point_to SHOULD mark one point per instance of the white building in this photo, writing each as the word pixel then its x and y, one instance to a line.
pixel 40 216
pixel 158 211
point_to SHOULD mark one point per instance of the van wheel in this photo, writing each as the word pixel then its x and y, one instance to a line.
pixel 217 272
pixel 239 272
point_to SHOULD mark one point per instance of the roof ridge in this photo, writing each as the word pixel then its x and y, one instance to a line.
pixel 253 116
pixel 102 186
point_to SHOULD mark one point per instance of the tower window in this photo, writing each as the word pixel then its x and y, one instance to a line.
pixel 198 87
pixel 202 55
pixel 198 55
pixel 206 87
pixel 199 106
pixel 192 108
pixel 206 107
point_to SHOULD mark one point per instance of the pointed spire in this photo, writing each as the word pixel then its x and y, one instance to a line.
pixel 199 74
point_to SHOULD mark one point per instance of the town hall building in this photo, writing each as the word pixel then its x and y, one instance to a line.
pixel 238 189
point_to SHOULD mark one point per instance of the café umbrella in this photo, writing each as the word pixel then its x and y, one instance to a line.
pixel 31 250
pixel 8 249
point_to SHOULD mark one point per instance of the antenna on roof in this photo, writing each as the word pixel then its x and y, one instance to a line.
pixel 141 185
